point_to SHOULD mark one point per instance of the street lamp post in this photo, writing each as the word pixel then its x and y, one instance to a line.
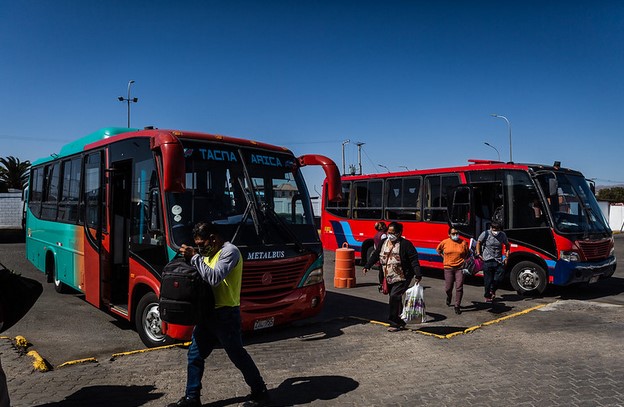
pixel 509 127
pixel 383 166
pixel 496 149
pixel 344 170
pixel 129 100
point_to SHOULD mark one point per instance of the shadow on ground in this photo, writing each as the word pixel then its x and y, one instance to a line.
pixel 119 396
pixel 302 390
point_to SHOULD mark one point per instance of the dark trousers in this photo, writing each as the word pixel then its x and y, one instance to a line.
pixel 222 326
pixel 395 301
pixel 493 274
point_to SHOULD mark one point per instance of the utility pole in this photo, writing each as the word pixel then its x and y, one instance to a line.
pixel 344 170
pixel 359 146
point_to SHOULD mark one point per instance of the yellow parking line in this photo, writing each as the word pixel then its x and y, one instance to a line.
pixel 133 352
pixel 465 331
pixel 76 362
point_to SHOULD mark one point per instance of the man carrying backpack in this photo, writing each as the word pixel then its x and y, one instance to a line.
pixel 221 265
pixel 491 245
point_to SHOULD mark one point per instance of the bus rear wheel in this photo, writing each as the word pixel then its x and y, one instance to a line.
pixel 148 323
pixel 528 278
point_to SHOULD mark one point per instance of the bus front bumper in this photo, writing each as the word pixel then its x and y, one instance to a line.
pixel 566 272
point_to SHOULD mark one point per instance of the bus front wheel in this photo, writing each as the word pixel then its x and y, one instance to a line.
pixel 528 278
pixel 148 323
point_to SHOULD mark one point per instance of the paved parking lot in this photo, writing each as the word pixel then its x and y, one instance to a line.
pixel 567 352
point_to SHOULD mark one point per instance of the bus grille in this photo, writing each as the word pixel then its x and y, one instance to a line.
pixel 595 250
pixel 269 281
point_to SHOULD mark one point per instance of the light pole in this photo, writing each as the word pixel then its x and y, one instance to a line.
pixel 496 149
pixel 403 166
pixel 383 166
pixel 129 100
pixel 508 126
pixel 344 170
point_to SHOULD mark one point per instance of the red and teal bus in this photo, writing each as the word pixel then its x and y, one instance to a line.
pixel 557 231
pixel 112 208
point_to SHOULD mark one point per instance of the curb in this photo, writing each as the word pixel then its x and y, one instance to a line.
pixel 21 344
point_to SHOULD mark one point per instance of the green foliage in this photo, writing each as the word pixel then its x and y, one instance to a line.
pixel 13 173
pixel 615 194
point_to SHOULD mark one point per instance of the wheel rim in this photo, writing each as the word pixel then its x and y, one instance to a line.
pixel 529 279
pixel 152 323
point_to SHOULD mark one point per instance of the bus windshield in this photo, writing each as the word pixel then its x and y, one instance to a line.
pixel 257 197
pixel 572 204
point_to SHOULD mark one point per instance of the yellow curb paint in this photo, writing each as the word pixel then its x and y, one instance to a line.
pixel 465 331
pixel 175 345
pixel 21 342
pixel 38 363
pixel 76 362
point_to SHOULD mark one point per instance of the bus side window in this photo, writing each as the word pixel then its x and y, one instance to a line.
pixel 36 191
pixel 340 208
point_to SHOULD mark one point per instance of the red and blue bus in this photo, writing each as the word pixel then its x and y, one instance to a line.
pixel 557 231
pixel 111 209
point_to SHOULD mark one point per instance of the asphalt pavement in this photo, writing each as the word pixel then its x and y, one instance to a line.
pixel 560 349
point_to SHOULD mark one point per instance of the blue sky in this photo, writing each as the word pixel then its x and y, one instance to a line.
pixel 416 81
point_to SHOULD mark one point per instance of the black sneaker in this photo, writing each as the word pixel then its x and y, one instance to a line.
pixel 448 300
pixel 457 310
pixel 258 399
pixel 186 402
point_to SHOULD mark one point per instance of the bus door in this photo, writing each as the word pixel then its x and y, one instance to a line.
pixel 92 202
pixel 475 206
pixel 115 275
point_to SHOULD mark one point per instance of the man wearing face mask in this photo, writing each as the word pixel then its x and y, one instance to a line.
pixel 399 261
pixel 491 246
pixel 454 252
pixel 220 265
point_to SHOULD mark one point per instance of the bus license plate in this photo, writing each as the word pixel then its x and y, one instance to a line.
pixel 593 279
pixel 264 323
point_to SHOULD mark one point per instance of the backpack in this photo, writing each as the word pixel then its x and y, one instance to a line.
pixel 185 298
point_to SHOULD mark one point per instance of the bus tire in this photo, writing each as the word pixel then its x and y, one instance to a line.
pixel 527 277
pixel 59 286
pixel 148 324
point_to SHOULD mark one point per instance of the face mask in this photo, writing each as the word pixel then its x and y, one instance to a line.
pixel 206 250
pixel 494 232
pixel 455 237
pixel 392 237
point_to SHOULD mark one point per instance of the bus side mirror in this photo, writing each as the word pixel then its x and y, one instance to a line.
pixel 172 161
pixel 334 190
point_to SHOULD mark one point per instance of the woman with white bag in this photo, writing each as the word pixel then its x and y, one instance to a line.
pixel 399 262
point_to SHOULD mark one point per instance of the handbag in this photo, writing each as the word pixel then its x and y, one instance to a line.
pixel 414 305
pixel 17 295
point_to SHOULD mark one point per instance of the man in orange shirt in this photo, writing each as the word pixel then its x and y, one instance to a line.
pixel 453 251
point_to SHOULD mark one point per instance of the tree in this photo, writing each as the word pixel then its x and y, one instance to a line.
pixel 615 194
pixel 13 172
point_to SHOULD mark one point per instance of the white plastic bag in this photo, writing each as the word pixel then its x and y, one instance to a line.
pixel 414 306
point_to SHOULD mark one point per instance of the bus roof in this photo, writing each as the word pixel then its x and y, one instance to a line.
pixel 108 135
pixel 474 164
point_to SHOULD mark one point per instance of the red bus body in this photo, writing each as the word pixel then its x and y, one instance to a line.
pixel 107 213
pixel 557 233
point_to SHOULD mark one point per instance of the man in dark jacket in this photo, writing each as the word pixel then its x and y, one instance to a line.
pixel 399 262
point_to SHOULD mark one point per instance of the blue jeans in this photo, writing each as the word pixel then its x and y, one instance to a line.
pixel 222 326
pixel 493 274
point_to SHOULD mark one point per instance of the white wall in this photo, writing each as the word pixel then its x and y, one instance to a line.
pixel 11 210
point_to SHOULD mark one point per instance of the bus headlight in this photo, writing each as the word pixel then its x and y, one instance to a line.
pixel 569 256
pixel 315 277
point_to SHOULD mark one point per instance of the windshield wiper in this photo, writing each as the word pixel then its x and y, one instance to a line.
pixel 283 226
